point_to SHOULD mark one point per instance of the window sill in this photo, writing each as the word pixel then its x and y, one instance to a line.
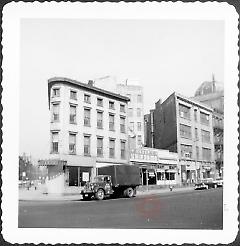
pixel 185 118
pixel 55 121
pixel 73 123
pixel 100 156
pixel 87 102
pixel 70 153
pixel 87 155
pixel 101 128
pixel 54 152
pixel 112 130
pixel 185 137
pixel 87 125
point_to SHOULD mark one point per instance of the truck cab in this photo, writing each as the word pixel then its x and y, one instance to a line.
pixel 99 188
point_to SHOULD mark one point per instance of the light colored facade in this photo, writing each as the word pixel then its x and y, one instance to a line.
pixel 135 113
pixel 88 128
pixel 158 166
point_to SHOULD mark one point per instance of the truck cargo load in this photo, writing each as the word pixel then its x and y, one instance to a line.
pixel 126 175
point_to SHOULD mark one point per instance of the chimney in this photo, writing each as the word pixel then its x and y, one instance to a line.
pixel 90 82
pixel 158 103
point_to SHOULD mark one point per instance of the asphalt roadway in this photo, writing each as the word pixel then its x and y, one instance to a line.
pixel 202 209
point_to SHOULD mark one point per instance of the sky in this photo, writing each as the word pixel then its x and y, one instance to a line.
pixel 163 56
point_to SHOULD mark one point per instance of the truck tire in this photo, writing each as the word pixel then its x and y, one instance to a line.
pixel 99 195
pixel 129 192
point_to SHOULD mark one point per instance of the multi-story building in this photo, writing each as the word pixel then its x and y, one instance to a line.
pixel 149 129
pixel 212 94
pixel 184 126
pixel 135 113
pixel 88 128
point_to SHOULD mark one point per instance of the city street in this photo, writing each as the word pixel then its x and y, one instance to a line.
pixel 184 209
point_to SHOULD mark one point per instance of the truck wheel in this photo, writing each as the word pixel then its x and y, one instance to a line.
pixel 99 195
pixel 129 192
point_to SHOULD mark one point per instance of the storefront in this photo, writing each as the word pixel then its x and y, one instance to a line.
pixel 158 167
pixel 70 170
pixel 192 172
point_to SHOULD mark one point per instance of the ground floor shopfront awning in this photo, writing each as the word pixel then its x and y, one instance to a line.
pixel 52 162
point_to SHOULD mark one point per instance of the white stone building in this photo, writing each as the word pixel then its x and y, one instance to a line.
pixel 87 128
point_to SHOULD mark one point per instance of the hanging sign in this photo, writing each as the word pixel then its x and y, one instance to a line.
pixel 85 176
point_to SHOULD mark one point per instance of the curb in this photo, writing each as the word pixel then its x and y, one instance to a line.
pixel 73 196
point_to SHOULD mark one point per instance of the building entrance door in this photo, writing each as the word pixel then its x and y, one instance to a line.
pixel 74 176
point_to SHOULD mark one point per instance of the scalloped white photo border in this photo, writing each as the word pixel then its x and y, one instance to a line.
pixel 12 14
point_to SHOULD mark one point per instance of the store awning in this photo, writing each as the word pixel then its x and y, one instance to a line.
pixel 52 162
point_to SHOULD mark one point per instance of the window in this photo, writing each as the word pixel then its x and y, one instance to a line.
pixel 197 152
pixel 55 140
pixel 196 134
pixel 205 136
pixel 184 111
pixel 139 140
pixel 139 98
pixel 86 145
pixel 130 112
pixel 72 143
pixel 87 98
pixel 73 95
pixel 87 117
pixel 170 176
pixel 111 122
pixel 186 151
pixel 123 149
pixel 206 154
pixel 55 112
pixel 99 146
pixel 185 131
pixel 122 108
pixel 131 126
pixel 111 105
pixel 139 112
pixel 204 118
pixel 111 148
pixel 56 92
pixel 99 120
pixel 99 102
pixel 122 125
pixel 73 110
pixel 195 115
pixel 139 126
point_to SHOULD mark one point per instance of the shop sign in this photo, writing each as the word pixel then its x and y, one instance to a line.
pixel 143 154
pixel 85 176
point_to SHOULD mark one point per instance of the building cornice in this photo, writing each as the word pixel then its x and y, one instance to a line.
pixel 87 87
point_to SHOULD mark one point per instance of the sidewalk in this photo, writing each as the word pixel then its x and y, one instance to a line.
pixel 74 194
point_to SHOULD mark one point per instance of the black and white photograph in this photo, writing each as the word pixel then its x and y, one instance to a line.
pixel 120 116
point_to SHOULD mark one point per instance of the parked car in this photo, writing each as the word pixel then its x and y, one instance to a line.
pixel 200 186
pixel 206 184
pixel 219 182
